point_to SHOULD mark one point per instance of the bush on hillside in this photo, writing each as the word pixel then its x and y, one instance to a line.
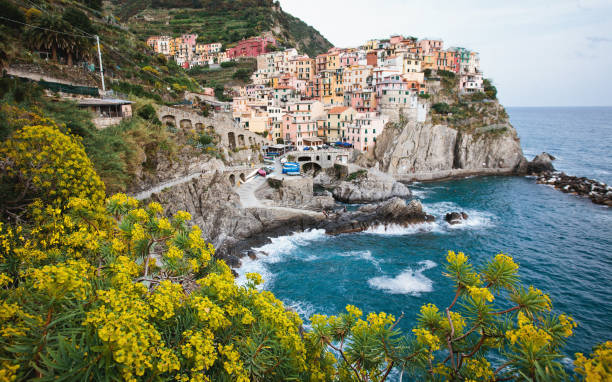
pixel 228 64
pixel 489 88
pixel 242 75
pixel 79 20
pixel 446 73
pixel 148 113
pixel 441 108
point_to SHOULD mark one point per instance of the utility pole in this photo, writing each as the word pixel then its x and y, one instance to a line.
pixel 100 60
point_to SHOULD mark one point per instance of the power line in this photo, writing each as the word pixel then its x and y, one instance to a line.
pixel 46 29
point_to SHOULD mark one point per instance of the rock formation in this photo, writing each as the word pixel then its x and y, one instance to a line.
pixel 422 151
pixel 453 218
pixel 363 186
pixel 541 163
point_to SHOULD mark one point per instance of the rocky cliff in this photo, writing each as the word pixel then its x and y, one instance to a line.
pixel 424 151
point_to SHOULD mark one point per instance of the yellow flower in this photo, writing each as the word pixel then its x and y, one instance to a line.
pixel 599 366
pixel 427 339
pixel 456 259
pixel 480 294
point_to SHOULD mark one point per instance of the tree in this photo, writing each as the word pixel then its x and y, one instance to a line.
pixel 489 88
pixel 55 34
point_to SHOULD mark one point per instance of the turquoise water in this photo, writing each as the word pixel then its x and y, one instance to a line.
pixel 563 243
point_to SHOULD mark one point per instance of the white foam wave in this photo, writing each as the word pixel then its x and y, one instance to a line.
pixel 274 252
pixel 419 193
pixel 476 219
pixel 408 282
pixel 398 230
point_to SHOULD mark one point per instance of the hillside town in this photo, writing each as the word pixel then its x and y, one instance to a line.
pixel 343 97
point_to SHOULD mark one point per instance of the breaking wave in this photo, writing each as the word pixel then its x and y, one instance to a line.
pixel 410 281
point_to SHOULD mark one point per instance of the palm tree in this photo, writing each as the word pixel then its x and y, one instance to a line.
pixel 55 34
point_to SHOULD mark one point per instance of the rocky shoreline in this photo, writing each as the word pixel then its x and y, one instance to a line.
pixel 541 167
pixel 598 192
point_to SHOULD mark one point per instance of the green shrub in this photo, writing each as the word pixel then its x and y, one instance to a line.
pixel 205 139
pixel 424 96
pixel 79 20
pixel 228 64
pixel 148 113
pixel 441 108
pixel 489 88
pixel 242 75
pixel 477 97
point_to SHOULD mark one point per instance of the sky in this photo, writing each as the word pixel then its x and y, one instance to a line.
pixel 538 53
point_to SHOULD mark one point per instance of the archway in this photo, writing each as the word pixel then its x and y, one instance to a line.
pixel 169 120
pixel 185 124
pixel 232 180
pixel 241 140
pixel 199 126
pixel 311 167
pixel 231 140
pixel 242 178
pixel 251 141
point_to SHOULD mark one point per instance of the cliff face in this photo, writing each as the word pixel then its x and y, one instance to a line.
pixel 415 151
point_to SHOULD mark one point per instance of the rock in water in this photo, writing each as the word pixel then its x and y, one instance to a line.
pixel 541 163
pixel 455 217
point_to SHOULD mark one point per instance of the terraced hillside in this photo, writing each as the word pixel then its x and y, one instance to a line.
pixel 226 21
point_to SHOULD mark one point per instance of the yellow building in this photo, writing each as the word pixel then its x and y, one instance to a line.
pixel 338 120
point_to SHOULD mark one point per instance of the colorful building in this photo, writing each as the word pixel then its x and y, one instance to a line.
pixel 251 47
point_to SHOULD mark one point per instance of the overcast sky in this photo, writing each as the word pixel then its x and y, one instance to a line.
pixel 539 53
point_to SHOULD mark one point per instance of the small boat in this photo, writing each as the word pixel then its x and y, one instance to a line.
pixel 262 172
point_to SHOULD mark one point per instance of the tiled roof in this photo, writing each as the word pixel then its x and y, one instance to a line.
pixel 337 110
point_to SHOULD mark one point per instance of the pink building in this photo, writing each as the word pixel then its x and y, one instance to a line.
pixel 251 47
pixel 366 128
pixel 362 101
pixel 430 46
pixel 190 39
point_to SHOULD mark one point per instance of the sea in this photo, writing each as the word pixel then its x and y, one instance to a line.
pixel 563 243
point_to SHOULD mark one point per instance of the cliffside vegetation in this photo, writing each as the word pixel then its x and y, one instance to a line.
pixel 105 288
pixel 465 112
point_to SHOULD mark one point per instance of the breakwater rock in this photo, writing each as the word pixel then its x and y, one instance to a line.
pixel 598 192
pixel 541 166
